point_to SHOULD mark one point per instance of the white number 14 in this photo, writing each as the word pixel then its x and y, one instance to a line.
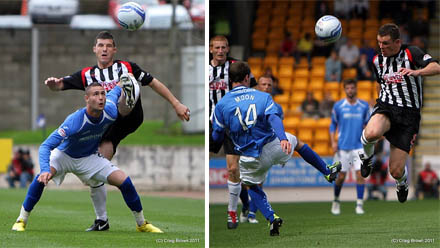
pixel 251 110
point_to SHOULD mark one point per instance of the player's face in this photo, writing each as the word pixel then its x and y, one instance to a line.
pixel 104 51
pixel 265 85
pixel 387 46
pixel 95 98
pixel 219 50
pixel 350 91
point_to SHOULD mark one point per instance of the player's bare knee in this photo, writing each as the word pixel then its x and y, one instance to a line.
pixel 396 172
pixel 106 149
pixel 341 178
pixel 372 134
pixel 116 178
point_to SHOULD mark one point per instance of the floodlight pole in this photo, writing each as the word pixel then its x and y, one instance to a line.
pixel 34 76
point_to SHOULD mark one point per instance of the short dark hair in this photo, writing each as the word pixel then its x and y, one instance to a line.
pixel 238 71
pixel 94 84
pixel 105 35
pixel 350 81
pixel 390 29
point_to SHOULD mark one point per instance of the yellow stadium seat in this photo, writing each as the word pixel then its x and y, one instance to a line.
pixel 316 84
pixel 364 85
pixel 273 46
pixel 256 71
pixel 298 97
pixel 289 61
pixel 302 73
pixel 255 61
pixel 270 61
pixel 279 12
pixel 322 135
pixel 308 123
pixel 322 149
pixel 300 84
pixel 349 73
pixel 318 95
pixel 285 71
pixel 385 21
pixel 318 71
pixel 357 24
pixel 318 60
pixel 364 95
pixel 282 99
pixel 294 20
pixel 262 21
pixel 305 135
pixel 303 63
pixel 291 122
pixel 373 23
pixel 259 44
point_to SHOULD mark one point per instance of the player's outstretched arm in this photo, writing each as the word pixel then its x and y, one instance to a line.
pixel 55 84
pixel 182 111
pixel 431 69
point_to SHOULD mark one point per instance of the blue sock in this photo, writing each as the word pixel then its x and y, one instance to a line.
pixel 312 158
pixel 33 195
pixel 338 190
pixel 244 198
pixel 260 200
pixel 130 195
pixel 252 209
pixel 360 191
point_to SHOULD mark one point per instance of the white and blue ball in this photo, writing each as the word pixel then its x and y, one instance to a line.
pixel 131 16
pixel 328 29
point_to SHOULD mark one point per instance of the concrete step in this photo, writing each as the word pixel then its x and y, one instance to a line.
pixel 432 103
pixel 430 123
pixel 431 95
pixel 429 142
pixel 431 110
pixel 430 136
pixel 427 150
pixel 430 117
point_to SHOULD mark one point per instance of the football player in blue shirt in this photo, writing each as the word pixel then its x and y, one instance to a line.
pixel 258 135
pixel 73 147
pixel 349 117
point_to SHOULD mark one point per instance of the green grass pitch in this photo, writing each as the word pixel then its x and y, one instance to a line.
pixel 384 224
pixel 60 218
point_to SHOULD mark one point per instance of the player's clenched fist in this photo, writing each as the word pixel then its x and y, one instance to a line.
pixel 286 146
pixel 45 177
pixel 54 83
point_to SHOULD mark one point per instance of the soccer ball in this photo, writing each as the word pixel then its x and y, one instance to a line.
pixel 131 16
pixel 328 29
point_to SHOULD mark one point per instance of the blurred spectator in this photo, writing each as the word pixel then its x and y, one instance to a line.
pixel 321 9
pixel 359 9
pixel 363 69
pixel 342 8
pixel 403 16
pixel 326 105
pixel 310 107
pixel 333 67
pixel 305 47
pixel 21 169
pixel 276 90
pixel 418 26
pixel 368 50
pixel 427 183
pixel 404 35
pixel 288 46
pixel 420 42
pixel 377 179
pixel 349 54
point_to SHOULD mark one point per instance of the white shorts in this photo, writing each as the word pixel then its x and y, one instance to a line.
pixel 254 170
pixel 92 170
pixel 348 158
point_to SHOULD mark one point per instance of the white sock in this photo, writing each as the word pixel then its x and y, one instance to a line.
pixel 139 216
pixel 24 215
pixel 99 199
pixel 359 202
pixel 234 194
pixel 336 198
pixel 402 180
pixel 368 145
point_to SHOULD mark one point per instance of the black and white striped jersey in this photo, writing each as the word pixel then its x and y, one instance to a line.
pixel 398 90
pixel 108 77
pixel 219 83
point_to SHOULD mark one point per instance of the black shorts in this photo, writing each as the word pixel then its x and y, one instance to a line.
pixel 228 146
pixel 404 125
pixel 124 126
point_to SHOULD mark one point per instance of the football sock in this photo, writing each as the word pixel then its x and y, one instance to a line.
pixel 360 191
pixel 252 209
pixel 244 198
pixel 368 145
pixel 337 191
pixel 359 202
pixel 99 199
pixel 312 158
pixel 33 195
pixel 139 216
pixel 234 191
pixel 130 195
pixel 402 179
pixel 24 215
pixel 260 199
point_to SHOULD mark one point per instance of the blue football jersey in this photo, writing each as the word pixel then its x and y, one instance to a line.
pixel 80 134
pixel 243 111
pixel 280 112
pixel 350 121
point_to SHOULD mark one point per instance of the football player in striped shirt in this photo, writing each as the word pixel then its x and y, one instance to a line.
pixel 399 69
pixel 73 148
pixel 258 135
pixel 108 72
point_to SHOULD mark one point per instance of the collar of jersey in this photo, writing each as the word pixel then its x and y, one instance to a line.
pixel 239 87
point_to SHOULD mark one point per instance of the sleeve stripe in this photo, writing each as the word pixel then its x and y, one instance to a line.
pixel 127 64
pixel 217 122
pixel 83 75
pixel 270 106
pixel 409 55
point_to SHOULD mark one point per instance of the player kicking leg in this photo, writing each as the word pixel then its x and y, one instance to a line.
pixel 91 170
